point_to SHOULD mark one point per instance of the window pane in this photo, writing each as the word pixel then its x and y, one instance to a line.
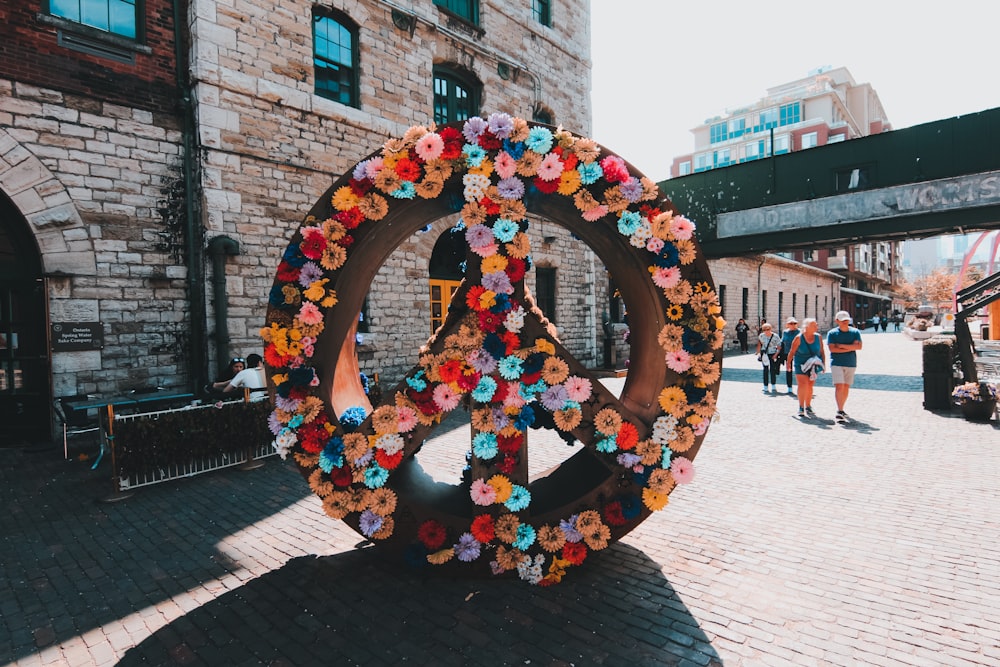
pixel 334 60
pixel 122 18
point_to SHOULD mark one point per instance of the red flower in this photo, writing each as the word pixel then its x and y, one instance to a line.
pixel 531 378
pixel 424 400
pixel 452 143
pixel 482 528
pixel 350 218
pixel 507 465
pixel 472 297
pixel 273 359
pixel 341 476
pixel 288 273
pixel 649 212
pixel 546 187
pixel 491 207
pixel 510 444
pixel 489 142
pixel 347 240
pixel 570 161
pixel 511 340
pixel 408 170
pixel 574 552
pixel 613 513
pixel 360 188
pixel 431 534
pixel 313 244
pixel 468 380
pixel 489 322
pixel 501 392
pixel 450 370
pixel 628 436
pixel 388 461
pixel 515 269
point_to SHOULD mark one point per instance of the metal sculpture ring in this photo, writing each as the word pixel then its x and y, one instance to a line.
pixel 495 351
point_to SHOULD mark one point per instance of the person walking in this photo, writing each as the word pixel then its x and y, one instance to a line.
pixel 787 336
pixel 806 359
pixel 875 321
pixel 844 343
pixel 768 353
pixel 742 330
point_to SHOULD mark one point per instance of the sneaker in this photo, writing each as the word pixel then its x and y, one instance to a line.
pixel 842 417
pixel 802 413
pixel 765 390
pixel 790 392
pixel 809 411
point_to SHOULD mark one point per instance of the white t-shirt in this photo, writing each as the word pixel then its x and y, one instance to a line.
pixel 252 378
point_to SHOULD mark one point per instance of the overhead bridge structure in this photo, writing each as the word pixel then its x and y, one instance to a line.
pixel 938 178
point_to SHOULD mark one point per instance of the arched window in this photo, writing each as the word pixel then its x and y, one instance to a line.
pixel 456 95
pixel 446 270
pixel 542 114
pixel 335 56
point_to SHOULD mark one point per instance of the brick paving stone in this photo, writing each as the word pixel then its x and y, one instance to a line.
pixel 797 544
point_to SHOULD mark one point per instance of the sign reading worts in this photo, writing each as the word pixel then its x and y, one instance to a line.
pixel 76 336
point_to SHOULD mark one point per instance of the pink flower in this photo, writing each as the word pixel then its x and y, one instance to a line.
pixel 654 245
pixel 479 235
pixel 505 165
pixel 486 250
pixel 681 228
pixel 482 493
pixel 614 168
pixel 700 427
pixel 678 361
pixel 551 168
pixel 406 419
pixel 513 400
pixel 666 278
pixel 595 213
pixel 310 314
pixel 445 397
pixel 429 146
pixel 682 469
pixel 578 389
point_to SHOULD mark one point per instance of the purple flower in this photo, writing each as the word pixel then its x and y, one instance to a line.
pixel 482 361
pixel 273 424
pixel 569 529
pixel 309 273
pixel 473 128
pixel 500 418
pixel 479 236
pixel 631 189
pixel 287 404
pixel 467 548
pixel 369 523
pixel 501 125
pixel 498 282
pixel 555 397
pixel 628 459
pixel 511 188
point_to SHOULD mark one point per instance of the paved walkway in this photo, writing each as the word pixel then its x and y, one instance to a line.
pixel 798 544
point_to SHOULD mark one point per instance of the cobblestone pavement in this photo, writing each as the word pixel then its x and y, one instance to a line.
pixel 798 544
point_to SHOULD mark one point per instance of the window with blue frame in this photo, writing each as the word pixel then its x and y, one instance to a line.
pixel 789 114
pixel 737 127
pixel 466 9
pixel 721 158
pixel 335 57
pixel 456 96
pixel 541 10
pixel 766 120
pixel 718 132
pixel 118 17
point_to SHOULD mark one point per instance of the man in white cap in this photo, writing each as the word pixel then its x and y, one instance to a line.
pixel 843 342
pixel 787 336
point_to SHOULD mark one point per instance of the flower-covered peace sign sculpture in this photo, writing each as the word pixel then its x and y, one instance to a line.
pixel 495 352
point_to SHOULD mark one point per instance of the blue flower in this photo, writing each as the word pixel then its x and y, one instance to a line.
pixel 276 297
pixel 294 256
pixel 416 382
pixel 668 257
pixel 539 140
pixel 467 548
pixel 631 506
pixel 485 389
pixel 332 455
pixel 495 347
pixel 375 476
pixel 534 362
pixel 352 417
pixel 693 341
pixel 694 394
pixel 405 191
pixel 302 376
pixel 474 155
pixel 525 418
pixel 504 230
pixel 519 499
pixel 510 368
pixel 629 223
pixel 415 555
pixel 590 172
pixel 515 149
pixel 484 446
pixel 502 304
pixel 525 537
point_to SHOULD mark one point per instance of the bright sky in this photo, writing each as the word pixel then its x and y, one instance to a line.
pixel 661 67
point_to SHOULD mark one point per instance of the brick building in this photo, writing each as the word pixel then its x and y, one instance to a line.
pixel 156 157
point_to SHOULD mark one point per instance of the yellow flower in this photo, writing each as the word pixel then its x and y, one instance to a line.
pixel 291 294
pixel 494 263
pixel 316 290
pixel 720 323
pixel 702 287
pixel 386 530
pixel 506 527
pixel 330 299
pixel 544 346
pixel 373 206
pixel 502 486
pixel 653 500
pixel 608 421
pixel 344 199
pixel 569 182
pixel 333 230
pixel 671 397
pixel 485 168
pixel 487 300
pixel 439 557
pixel 675 312
pixel 334 256
pixel 279 378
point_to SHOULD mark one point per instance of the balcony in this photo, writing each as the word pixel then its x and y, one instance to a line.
pixel 835 263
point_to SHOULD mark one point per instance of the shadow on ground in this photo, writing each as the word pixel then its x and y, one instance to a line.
pixel 353 609
pixel 905 383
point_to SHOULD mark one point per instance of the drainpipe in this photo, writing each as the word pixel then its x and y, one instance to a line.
pixel 760 295
pixel 198 369
pixel 218 248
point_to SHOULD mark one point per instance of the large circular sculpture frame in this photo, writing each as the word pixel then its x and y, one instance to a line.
pixel 495 354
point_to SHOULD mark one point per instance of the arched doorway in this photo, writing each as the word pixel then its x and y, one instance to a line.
pixel 446 270
pixel 25 396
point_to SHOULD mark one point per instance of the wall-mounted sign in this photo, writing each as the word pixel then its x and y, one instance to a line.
pixel 74 336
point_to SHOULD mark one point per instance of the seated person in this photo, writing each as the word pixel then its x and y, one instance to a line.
pixel 235 367
pixel 252 377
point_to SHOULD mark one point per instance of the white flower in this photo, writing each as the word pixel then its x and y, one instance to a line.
pixel 514 320
pixel 475 186
pixel 284 442
pixel 664 429
pixel 390 443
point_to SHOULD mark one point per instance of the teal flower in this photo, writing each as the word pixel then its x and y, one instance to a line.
pixel 629 223
pixel 484 446
pixel 590 173
pixel 539 140
pixel 519 498
pixel 416 382
pixel 525 537
pixel 607 445
pixel 510 368
pixel 474 155
pixel 665 458
pixel 375 476
pixel 484 390
pixel 504 230
pixel 404 191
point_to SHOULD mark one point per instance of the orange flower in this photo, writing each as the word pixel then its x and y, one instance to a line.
pixel 608 421
pixel 551 538
pixel 506 526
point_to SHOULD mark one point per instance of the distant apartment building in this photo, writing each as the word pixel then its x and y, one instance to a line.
pixel 825 107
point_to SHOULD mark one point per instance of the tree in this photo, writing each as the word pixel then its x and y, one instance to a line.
pixel 932 288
